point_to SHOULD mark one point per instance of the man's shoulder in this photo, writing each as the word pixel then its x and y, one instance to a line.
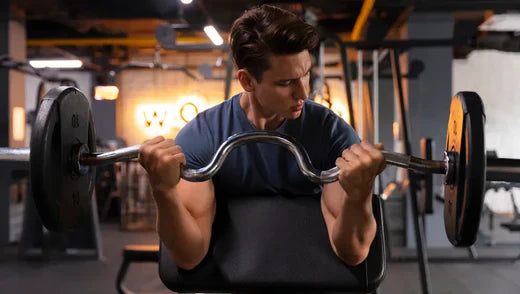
pixel 322 118
pixel 208 119
pixel 200 136
pixel 317 112
pixel 218 110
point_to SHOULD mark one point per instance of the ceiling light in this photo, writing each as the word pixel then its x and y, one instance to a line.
pixel 57 63
pixel 213 35
pixel 106 92
pixel 186 1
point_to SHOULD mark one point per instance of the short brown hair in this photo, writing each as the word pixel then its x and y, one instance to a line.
pixel 268 30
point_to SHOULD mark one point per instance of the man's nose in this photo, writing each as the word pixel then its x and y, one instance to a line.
pixel 300 91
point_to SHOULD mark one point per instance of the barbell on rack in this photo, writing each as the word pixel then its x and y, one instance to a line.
pixel 62 151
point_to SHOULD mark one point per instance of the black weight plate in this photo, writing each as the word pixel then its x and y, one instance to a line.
pixel 464 198
pixel 61 195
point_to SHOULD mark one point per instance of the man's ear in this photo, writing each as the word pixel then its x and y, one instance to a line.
pixel 246 79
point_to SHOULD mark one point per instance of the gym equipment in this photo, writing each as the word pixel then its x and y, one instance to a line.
pixel 133 254
pixel 275 244
pixel 63 150
pixel 426 180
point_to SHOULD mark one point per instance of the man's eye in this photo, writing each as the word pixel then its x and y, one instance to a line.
pixel 285 84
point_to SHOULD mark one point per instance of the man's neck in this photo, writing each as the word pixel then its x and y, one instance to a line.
pixel 258 116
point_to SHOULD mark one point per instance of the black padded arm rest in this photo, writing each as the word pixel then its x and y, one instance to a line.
pixel 275 243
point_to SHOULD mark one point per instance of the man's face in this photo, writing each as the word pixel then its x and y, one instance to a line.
pixel 285 85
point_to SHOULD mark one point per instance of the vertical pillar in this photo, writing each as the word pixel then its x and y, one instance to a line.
pixel 12 106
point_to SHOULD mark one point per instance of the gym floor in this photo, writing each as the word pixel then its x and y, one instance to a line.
pixel 80 276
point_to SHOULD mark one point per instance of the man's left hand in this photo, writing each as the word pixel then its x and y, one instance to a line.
pixel 358 167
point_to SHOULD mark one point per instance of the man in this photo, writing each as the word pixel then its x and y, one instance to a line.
pixel 270 48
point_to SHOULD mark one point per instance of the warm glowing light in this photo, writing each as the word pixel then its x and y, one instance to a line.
pixel 389 190
pixel 57 63
pixel 341 110
pixel 186 1
pixel 187 109
pixel 156 119
pixel 18 120
pixel 322 102
pixel 395 130
pixel 106 92
pixel 213 35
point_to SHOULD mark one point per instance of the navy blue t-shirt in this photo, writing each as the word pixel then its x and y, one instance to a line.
pixel 262 168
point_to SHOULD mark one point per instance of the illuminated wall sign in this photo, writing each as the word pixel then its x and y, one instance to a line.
pixel 157 116
pixel 156 119
pixel 188 111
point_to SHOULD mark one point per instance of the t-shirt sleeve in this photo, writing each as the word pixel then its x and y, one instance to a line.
pixel 196 141
pixel 338 136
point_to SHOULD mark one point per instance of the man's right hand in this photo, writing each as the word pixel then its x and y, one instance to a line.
pixel 185 210
pixel 162 160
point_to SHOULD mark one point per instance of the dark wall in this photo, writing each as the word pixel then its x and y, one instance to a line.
pixel 104 113
pixel 429 104
pixel 386 118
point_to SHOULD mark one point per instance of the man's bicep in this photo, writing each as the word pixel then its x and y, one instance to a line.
pixel 196 141
pixel 199 200
pixel 333 197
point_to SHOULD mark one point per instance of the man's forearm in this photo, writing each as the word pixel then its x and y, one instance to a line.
pixel 354 230
pixel 178 230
